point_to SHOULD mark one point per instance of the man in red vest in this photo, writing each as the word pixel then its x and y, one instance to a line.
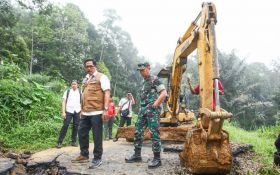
pixel 195 90
pixel 108 124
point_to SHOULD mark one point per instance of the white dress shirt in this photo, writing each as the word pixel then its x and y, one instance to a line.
pixel 73 103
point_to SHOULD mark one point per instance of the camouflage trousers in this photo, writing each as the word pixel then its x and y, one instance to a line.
pixel 148 117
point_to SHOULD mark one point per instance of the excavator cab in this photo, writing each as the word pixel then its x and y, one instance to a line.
pixel 182 115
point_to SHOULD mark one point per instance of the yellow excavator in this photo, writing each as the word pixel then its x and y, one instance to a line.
pixel 206 148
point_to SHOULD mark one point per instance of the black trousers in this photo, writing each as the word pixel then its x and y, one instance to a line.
pixel 66 122
pixel 124 120
pixel 95 123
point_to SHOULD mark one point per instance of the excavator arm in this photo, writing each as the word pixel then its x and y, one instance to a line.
pixel 207 148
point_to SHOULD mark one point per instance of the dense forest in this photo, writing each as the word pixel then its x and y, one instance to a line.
pixel 42 48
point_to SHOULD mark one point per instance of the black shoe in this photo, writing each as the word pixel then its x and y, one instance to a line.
pixel 133 158
pixel 59 145
pixel 115 139
pixel 95 163
pixel 74 144
pixel 154 163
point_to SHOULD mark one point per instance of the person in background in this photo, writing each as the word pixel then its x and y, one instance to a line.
pixel 195 90
pixel 108 124
pixel 71 108
pixel 125 106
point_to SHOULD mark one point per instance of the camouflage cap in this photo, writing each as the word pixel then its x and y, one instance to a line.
pixel 142 66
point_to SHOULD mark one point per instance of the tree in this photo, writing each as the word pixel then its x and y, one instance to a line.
pixel 119 54
pixel 13 48
pixel 7 14
pixel 248 90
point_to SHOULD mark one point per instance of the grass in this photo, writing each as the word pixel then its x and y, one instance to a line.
pixel 262 145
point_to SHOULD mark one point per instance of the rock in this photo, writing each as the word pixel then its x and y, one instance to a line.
pixel 177 148
pixel 11 155
pixel 21 161
pixel 25 156
pixel 20 169
pixel 240 148
pixel 6 165
pixel 27 152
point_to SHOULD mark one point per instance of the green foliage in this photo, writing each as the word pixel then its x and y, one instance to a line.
pixel 50 83
pixel 249 89
pixel 13 48
pixel 116 100
pixel 34 135
pixel 38 78
pixel 263 142
pixel 30 114
pixel 7 14
pixel 276 98
pixel 23 102
pixel 9 71
pixel 61 38
pixel 56 86
pixel 269 170
pixel 103 69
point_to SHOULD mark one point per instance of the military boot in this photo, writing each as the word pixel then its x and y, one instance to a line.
pixel 156 162
pixel 136 157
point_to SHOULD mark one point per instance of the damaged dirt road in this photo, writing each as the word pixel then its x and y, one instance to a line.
pixel 58 161
pixel 113 160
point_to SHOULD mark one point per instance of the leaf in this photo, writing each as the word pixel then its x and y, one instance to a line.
pixel 26 101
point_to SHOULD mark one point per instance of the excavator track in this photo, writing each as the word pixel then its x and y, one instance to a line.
pixel 166 133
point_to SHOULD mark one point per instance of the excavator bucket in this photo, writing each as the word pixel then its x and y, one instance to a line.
pixel 202 156
pixel 208 150
pixel 166 133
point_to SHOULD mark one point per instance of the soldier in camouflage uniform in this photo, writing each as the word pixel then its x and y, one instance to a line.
pixel 152 95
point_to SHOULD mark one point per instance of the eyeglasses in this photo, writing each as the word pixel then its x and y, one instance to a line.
pixel 89 66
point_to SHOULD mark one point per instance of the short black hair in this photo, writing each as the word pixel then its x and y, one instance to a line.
pixel 87 60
